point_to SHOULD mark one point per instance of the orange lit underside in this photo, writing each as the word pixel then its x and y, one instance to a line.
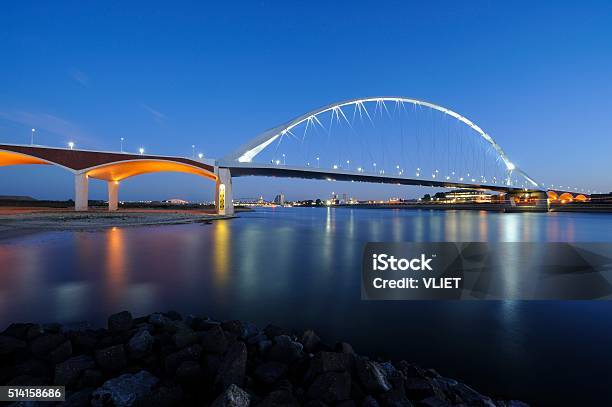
pixel 126 169
pixel 10 158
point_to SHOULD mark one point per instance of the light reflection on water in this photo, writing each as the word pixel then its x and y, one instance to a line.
pixel 301 268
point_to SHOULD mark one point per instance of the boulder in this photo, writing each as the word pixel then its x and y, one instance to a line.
pixel 395 398
pixel 371 376
pixel 45 343
pixel 331 387
pixel 285 350
pixel 174 360
pixel 270 372
pixel 310 340
pixel 233 396
pixel 17 331
pixel 125 390
pixel 111 359
pixel 164 396
pixel 214 340
pixel 120 322
pixel 233 367
pixel 184 338
pixel 61 353
pixel 10 345
pixel 281 397
pixel 67 372
pixel 79 398
pixel 323 362
pixel 189 372
pixel 140 345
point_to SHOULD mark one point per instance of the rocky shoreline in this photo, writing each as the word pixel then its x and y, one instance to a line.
pixel 163 359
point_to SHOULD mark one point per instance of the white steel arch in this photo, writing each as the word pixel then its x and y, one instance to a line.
pixel 248 151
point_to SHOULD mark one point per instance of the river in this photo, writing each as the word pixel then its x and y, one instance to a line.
pixel 300 268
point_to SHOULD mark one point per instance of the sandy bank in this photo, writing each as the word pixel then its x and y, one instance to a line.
pixel 53 219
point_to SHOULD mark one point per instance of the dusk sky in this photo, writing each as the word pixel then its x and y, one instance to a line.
pixel 166 75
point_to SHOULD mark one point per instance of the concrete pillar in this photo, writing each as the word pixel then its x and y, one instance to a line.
pixel 81 192
pixel 113 195
pixel 224 198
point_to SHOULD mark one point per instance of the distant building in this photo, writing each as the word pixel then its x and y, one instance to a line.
pixel 279 199
pixel 176 201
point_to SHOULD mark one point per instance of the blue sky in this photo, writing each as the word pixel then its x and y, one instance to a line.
pixel 166 75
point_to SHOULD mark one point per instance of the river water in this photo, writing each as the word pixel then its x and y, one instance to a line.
pixel 300 268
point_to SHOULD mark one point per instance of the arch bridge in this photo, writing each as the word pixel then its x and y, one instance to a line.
pixel 334 142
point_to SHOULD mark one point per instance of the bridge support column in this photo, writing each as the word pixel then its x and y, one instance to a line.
pixel 113 195
pixel 223 192
pixel 81 192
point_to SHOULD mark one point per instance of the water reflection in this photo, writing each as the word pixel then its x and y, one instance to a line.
pixel 300 268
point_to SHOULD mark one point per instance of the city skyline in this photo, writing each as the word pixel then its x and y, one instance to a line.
pixel 162 78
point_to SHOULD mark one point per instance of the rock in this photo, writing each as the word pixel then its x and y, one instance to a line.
pixel 234 327
pixel 140 345
pixel 159 320
pixel 344 347
pixel 214 340
pixel 464 393
pixel 92 378
pixel 323 362
pixel 111 359
pixel 164 396
pixel 52 327
pixel 193 321
pixel 174 360
pixel 263 346
pixel 174 315
pixel 250 330
pixel 67 372
pixel 281 397
pixel 10 345
pixel 434 401
pixel 395 398
pixel 34 331
pixel 369 401
pixel 270 372
pixel 79 398
pixel 233 366
pixel 273 331
pixel 189 372
pixel 233 396
pixel 310 341
pixel 61 353
pixel 17 331
pixel 125 390
pixel 45 343
pixel 83 342
pixel 371 376
pixel 331 387
pixel 120 322
pixel 285 350
pixel 184 337
pixel 32 367
pixel 420 388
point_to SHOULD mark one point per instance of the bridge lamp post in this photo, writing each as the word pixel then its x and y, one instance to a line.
pixel 318 165
pixel 277 162
pixel 284 161
pixel 121 145
pixel 141 150
pixel 348 164
pixel 374 168
pixel 193 151
pixel 200 156
pixel 32 137
pixel 71 145
pixel 335 167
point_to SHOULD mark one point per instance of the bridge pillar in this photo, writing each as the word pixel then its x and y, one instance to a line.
pixel 223 192
pixel 113 195
pixel 81 192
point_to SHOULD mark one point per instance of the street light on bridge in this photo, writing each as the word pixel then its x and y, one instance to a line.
pixel 32 137
pixel 71 145
pixel 200 156
pixel 121 145
pixel 141 150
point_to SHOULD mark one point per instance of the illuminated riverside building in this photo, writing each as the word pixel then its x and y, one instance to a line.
pixel 465 196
